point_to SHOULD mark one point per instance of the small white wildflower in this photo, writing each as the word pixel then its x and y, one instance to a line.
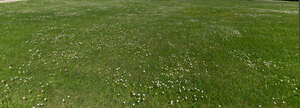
pixel 171 102
pixel 259 106
pixel 118 68
pixel 24 98
pixel 40 105
pixel 220 106
pixel 283 102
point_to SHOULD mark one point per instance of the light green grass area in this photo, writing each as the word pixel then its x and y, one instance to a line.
pixel 149 54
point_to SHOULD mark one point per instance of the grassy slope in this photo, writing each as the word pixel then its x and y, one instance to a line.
pixel 102 52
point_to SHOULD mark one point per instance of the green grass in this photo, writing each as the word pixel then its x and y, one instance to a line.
pixel 149 53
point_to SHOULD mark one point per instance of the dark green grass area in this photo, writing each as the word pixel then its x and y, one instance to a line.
pixel 149 53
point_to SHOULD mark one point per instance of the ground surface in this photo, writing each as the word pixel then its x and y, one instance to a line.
pixel 7 1
pixel 149 53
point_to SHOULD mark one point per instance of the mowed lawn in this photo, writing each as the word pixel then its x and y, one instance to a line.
pixel 149 54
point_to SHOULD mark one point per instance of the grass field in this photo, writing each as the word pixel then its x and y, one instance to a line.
pixel 149 53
